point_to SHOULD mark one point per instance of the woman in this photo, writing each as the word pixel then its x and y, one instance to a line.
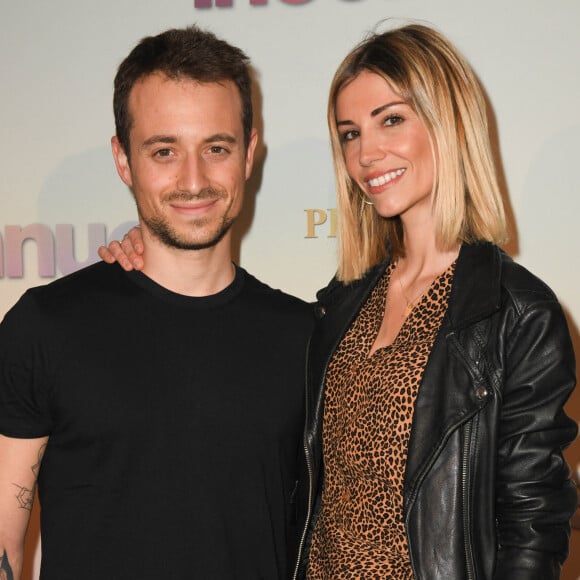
pixel 439 368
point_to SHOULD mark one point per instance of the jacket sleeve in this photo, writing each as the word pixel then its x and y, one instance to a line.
pixel 535 496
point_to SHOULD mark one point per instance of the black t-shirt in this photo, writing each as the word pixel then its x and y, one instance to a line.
pixel 174 424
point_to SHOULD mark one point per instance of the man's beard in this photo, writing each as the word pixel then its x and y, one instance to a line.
pixel 163 231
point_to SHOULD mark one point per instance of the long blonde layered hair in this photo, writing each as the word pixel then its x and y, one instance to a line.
pixel 426 70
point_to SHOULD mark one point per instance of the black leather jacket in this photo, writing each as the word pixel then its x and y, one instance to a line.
pixel 487 493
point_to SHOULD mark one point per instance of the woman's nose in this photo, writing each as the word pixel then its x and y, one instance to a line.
pixel 371 150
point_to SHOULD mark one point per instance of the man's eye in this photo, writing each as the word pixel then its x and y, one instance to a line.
pixel 163 153
pixel 217 149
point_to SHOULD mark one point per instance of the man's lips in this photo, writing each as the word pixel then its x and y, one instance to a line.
pixel 188 203
pixel 193 207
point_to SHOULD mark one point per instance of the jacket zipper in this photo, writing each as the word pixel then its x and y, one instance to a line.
pixel 467 500
pixel 310 477
pixel 306 452
pixel 308 514
pixel 465 484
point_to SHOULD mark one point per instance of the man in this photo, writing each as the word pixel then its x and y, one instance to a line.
pixel 162 409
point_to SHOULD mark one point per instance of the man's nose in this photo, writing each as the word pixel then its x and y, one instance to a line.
pixel 192 174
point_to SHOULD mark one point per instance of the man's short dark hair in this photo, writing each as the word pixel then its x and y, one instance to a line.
pixel 182 53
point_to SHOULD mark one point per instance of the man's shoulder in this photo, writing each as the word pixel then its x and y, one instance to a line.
pixel 268 297
pixel 74 288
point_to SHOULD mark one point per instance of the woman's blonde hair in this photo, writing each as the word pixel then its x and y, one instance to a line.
pixel 424 68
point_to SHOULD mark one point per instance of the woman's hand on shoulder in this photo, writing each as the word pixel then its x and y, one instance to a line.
pixel 128 252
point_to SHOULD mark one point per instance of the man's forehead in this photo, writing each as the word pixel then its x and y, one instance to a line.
pixel 158 90
pixel 159 80
pixel 162 105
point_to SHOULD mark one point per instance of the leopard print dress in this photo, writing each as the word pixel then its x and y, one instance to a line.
pixel 368 410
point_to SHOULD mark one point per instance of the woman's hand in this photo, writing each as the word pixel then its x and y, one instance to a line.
pixel 128 252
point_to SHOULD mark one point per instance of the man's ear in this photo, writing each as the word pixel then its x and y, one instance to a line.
pixel 250 152
pixel 121 162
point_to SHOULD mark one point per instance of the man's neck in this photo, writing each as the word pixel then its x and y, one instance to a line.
pixel 190 272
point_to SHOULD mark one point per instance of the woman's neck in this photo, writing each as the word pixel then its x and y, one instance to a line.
pixel 424 257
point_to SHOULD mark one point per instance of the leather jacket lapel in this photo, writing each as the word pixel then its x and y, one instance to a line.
pixel 451 389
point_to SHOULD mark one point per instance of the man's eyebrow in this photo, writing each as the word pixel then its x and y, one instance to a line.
pixel 155 139
pixel 171 139
pixel 224 137
pixel 374 112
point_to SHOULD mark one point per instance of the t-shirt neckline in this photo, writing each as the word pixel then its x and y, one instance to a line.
pixel 160 292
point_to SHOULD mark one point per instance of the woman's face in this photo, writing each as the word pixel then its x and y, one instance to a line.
pixel 386 147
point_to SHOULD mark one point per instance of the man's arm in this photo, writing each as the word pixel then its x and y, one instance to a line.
pixel 19 465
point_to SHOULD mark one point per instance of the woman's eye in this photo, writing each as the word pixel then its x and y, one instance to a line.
pixel 391 120
pixel 348 136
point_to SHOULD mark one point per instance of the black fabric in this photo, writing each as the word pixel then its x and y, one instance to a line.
pixel 487 492
pixel 174 424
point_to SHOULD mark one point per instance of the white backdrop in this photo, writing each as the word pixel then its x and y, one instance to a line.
pixel 59 58
pixel 58 182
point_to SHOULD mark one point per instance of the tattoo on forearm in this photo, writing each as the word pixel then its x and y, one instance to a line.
pixel 25 496
pixel 36 467
pixel 5 569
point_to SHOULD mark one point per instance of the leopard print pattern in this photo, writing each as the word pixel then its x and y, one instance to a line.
pixel 369 403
